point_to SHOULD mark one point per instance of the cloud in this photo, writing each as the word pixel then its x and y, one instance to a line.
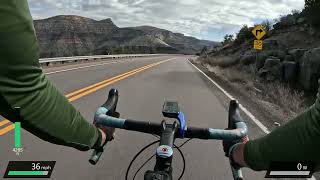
pixel 205 19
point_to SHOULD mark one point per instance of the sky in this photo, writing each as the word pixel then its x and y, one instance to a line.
pixel 203 19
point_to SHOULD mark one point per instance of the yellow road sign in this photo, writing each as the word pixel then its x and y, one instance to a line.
pixel 259 32
pixel 258 44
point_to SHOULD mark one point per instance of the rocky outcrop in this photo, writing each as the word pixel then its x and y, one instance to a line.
pixel 248 58
pixel 309 71
pixel 297 54
pixel 71 35
pixel 289 71
pixel 300 66
pixel 271 69
pixel 291 53
pixel 75 35
pixel 261 60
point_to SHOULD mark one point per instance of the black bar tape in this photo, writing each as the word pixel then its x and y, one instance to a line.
pixel 200 133
pixel 141 126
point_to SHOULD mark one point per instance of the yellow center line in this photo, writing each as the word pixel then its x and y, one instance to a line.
pixel 6 129
pixel 96 88
pixel 103 82
pixel 90 89
pixel 4 122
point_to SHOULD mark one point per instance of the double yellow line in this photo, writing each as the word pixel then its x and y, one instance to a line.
pixel 90 89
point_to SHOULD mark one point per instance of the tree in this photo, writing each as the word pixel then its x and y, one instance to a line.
pixel 312 12
pixel 243 35
pixel 228 38
pixel 267 25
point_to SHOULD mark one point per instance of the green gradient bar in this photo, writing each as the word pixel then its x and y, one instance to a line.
pixel 17 134
pixel 27 173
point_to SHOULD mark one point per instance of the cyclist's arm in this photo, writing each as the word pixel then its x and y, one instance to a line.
pixel 297 140
pixel 44 111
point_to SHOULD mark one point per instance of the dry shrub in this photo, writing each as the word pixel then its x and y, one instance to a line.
pixel 237 76
pixel 221 61
pixel 289 99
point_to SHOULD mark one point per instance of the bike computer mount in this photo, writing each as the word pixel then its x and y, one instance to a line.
pixel 171 109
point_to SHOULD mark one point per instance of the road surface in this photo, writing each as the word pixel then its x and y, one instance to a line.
pixel 142 94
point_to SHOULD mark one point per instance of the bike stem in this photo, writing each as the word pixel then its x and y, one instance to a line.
pixel 164 161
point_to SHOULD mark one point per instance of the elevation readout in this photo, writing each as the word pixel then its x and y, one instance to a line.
pixel 29 169
pixel 290 170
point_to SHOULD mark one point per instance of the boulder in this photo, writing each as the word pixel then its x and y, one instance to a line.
pixel 288 58
pixel 302 28
pixel 271 63
pixel 269 44
pixel 271 69
pixel 297 53
pixel 277 53
pixel 309 72
pixel 263 73
pixel 301 20
pixel 289 71
pixel 261 60
pixel 248 58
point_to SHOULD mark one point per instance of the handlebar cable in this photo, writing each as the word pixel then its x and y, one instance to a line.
pixel 183 160
pixel 135 157
pixel 135 174
pixel 175 146
pixel 180 152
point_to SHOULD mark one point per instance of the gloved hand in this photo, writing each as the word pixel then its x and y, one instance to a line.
pixel 229 145
pixel 107 133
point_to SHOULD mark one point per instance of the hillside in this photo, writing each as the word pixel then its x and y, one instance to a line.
pixel 276 83
pixel 291 54
pixel 75 35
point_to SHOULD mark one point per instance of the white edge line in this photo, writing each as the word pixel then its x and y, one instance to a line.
pixel 245 110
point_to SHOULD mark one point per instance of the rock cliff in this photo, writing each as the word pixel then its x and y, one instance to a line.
pixel 74 36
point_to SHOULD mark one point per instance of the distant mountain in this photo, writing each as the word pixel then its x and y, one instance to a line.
pixel 75 35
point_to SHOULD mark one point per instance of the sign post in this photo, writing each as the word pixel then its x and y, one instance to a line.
pixel 259 33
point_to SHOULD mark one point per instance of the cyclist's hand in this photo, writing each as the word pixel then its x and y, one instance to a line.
pixel 227 145
pixel 106 131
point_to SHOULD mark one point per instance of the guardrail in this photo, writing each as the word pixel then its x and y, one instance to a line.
pixel 47 61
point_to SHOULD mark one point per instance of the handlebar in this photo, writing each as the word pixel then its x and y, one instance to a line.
pixel 190 132
pixel 237 128
pixel 112 101
pixel 108 108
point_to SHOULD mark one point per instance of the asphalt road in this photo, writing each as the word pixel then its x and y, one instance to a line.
pixel 141 98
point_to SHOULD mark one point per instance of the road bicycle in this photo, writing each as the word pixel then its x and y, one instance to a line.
pixel 167 133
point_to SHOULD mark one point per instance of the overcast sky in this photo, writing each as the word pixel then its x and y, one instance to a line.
pixel 204 19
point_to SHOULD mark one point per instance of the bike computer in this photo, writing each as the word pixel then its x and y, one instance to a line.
pixel 170 109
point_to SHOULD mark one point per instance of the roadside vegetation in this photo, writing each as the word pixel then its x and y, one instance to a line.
pixel 284 74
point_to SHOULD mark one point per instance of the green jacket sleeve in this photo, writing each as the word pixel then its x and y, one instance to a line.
pixel 44 111
pixel 296 141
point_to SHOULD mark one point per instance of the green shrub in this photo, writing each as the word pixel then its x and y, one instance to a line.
pixel 228 38
pixel 267 25
pixel 243 35
pixel 312 12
